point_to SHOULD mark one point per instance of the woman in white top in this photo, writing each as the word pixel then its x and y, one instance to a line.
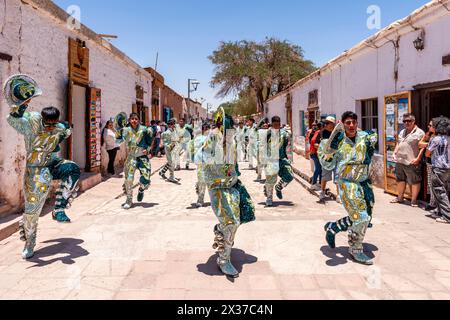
pixel 109 139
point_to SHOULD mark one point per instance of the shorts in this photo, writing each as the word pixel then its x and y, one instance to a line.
pixel 329 175
pixel 410 174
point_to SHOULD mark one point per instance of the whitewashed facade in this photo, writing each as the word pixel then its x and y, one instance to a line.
pixel 35 34
pixel 368 71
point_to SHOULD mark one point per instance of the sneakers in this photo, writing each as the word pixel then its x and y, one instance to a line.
pixel 199 204
pixel 162 175
pixel 127 205
pixel 173 180
pixel 28 252
pixel 316 187
pixel 360 257
pixel 442 220
pixel 322 195
pixel 269 202
pixel 187 166
pixel 60 216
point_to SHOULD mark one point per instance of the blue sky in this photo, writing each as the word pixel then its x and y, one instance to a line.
pixel 185 32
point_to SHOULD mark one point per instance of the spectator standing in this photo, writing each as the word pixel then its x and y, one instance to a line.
pixel 327 175
pixel 408 158
pixel 109 139
pixel 438 150
pixel 424 144
pixel 314 156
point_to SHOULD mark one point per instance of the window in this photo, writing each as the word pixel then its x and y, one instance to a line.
pixel 313 98
pixel 369 115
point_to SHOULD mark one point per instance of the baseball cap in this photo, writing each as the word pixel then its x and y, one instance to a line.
pixel 330 119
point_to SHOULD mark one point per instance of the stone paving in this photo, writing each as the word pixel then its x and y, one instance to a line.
pixel 161 249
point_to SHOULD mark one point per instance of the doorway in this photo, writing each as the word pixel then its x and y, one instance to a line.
pixel 79 126
pixel 439 103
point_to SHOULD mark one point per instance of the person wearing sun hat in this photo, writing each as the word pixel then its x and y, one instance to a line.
pixel 43 134
pixel 230 201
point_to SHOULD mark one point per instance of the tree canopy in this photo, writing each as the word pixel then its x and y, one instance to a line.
pixel 248 68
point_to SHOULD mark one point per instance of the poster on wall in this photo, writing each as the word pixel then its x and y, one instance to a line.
pixel 390 166
pixel 390 109
pixel 390 127
pixel 95 107
pixel 396 105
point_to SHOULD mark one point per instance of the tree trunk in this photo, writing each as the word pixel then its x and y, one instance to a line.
pixel 259 101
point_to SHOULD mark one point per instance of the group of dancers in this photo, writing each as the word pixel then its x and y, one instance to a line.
pixel 217 148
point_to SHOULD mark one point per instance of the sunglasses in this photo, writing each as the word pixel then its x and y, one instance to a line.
pixel 49 124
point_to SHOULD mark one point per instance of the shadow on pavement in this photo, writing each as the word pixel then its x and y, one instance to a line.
pixel 279 204
pixel 340 255
pixel 238 258
pixel 68 246
pixel 192 207
pixel 145 205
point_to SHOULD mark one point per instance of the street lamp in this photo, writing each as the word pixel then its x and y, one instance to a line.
pixel 192 83
pixel 207 110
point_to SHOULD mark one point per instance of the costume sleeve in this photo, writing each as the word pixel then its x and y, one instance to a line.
pixel 331 146
pixel 64 130
pixel 121 135
pixel 19 120
pixel 289 147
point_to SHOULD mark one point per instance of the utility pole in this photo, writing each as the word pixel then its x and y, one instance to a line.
pixel 195 84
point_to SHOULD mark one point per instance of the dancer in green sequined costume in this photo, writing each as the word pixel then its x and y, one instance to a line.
pixel 276 158
pixel 184 132
pixel 230 200
pixel 199 159
pixel 351 151
pixel 43 134
pixel 139 141
pixel 171 141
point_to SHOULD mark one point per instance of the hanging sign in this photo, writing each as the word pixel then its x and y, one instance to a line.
pixel 95 107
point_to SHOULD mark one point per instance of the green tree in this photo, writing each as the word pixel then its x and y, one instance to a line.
pixel 265 68
pixel 245 105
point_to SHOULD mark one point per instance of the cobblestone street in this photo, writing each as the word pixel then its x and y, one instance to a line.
pixel 161 249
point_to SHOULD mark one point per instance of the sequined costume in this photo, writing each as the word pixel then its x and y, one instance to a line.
pixel 240 138
pixel 230 200
pixel 276 160
pixel 183 146
pixel 170 140
pixel 138 144
pixel 42 166
pixel 199 160
pixel 352 160
pixel 252 146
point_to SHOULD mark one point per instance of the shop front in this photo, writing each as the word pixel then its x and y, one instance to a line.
pixel 426 101
pixel 83 110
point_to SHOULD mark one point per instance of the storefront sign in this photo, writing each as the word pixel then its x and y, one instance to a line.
pixel 78 62
pixel 95 107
